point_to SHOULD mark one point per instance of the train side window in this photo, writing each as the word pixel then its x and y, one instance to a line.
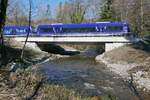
pixel 114 28
pixel 46 30
pixel 78 30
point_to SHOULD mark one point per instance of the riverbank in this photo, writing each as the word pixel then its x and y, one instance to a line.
pixel 30 84
pixel 24 80
pixel 132 62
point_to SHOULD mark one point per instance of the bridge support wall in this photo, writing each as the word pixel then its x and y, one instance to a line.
pixel 111 46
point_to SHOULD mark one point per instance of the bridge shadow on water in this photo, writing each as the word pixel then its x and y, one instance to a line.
pixel 56 49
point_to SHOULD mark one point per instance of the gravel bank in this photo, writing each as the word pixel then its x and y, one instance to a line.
pixel 130 60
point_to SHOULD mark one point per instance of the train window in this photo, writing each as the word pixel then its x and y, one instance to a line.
pixel 46 30
pixel 114 28
pixel 78 30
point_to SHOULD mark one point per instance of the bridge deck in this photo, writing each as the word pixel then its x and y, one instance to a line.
pixel 109 39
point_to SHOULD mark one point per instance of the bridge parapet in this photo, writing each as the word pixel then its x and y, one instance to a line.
pixel 108 39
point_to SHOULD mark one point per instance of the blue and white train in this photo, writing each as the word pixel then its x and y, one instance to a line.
pixel 17 30
pixel 84 29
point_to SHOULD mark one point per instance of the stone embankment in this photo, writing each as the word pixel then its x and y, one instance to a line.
pixel 132 62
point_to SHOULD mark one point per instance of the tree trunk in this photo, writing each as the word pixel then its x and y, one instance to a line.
pixel 3 8
pixel 142 20
pixel 30 12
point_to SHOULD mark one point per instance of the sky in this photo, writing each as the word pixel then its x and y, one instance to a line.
pixel 53 4
pixel 39 6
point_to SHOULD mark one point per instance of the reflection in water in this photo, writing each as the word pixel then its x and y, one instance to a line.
pixel 87 77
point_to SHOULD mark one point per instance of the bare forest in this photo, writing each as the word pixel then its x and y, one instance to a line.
pixel 135 12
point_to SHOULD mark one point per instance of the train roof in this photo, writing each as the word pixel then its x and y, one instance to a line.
pixel 83 25
pixel 45 26
pixel 17 27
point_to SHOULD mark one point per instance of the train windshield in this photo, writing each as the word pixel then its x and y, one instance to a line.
pixel 8 30
pixel 79 30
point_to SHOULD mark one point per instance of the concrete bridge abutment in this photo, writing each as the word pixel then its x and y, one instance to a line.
pixel 111 46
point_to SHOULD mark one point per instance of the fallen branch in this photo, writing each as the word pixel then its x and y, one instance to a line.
pixel 133 87
pixel 37 87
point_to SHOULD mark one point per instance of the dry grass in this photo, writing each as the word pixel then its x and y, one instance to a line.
pixel 55 92
pixel 29 86
pixel 52 92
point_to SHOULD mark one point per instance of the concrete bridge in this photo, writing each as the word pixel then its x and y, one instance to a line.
pixel 110 42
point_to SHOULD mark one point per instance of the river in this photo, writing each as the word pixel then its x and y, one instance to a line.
pixel 87 77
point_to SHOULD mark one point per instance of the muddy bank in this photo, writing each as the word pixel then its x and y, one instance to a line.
pixel 132 62
pixel 13 49
pixel 35 52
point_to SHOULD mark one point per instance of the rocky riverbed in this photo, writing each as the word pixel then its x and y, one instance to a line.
pixel 132 62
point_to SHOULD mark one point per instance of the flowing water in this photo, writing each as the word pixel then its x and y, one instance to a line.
pixel 87 77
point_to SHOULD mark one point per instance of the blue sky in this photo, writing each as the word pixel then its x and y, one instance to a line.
pixel 53 4
pixel 38 5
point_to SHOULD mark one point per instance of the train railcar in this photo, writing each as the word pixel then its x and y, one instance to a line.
pixel 114 28
pixel 17 30
pixel 84 29
pixel 77 29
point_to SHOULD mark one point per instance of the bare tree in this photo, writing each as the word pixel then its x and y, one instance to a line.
pixel 135 12
pixel 72 11
pixel 63 13
pixel 30 12
pixel 60 15
pixel 16 13
pixel 78 11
